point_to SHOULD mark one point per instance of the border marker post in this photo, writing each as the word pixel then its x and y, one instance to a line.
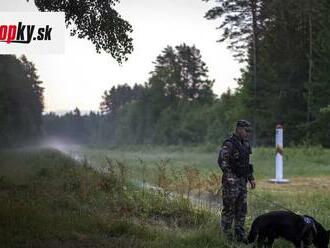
pixel 279 157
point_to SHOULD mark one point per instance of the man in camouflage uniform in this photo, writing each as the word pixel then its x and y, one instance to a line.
pixel 234 162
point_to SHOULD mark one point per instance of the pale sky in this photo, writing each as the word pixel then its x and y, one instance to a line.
pixel 79 77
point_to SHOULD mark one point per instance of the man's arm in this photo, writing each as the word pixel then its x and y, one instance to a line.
pixel 224 155
pixel 250 176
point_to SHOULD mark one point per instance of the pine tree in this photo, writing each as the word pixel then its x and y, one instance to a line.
pixel 181 75
pixel 21 101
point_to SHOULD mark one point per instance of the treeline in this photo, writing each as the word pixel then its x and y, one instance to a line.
pixel 176 106
pixel 286 80
pixel 21 101
pixel 286 45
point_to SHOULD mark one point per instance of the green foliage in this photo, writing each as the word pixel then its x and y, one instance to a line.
pixel 181 75
pixel 290 41
pixel 321 49
pixel 97 21
pixel 319 131
pixel 240 21
pixel 117 97
pixel 72 126
pixel 223 115
pixel 21 101
pixel 183 124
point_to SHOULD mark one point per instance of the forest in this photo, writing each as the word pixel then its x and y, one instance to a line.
pixel 283 45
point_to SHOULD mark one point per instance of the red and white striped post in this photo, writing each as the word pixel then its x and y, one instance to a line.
pixel 279 156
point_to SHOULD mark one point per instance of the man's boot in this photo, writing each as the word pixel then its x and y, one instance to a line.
pixel 240 235
pixel 228 234
pixel 227 231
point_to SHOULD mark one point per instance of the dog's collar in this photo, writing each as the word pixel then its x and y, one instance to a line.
pixel 309 222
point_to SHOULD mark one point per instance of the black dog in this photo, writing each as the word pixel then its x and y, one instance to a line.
pixel 301 230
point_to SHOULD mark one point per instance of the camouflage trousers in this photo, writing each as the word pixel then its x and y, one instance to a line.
pixel 234 195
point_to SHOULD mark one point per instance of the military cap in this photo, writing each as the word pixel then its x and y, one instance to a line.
pixel 243 123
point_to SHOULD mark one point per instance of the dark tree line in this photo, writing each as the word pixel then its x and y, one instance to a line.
pixel 73 126
pixel 21 101
pixel 286 79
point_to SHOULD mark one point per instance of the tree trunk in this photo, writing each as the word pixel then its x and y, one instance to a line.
pixel 254 44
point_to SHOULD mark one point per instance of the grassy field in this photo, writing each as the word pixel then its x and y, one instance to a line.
pixel 47 199
pixel 50 200
pixel 306 162
pixel 307 168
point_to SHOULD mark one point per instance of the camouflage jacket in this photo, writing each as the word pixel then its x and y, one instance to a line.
pixel 234 157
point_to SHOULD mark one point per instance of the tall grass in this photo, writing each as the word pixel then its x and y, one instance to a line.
pixel 57 201
pixel 308 169
pixel 50 200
